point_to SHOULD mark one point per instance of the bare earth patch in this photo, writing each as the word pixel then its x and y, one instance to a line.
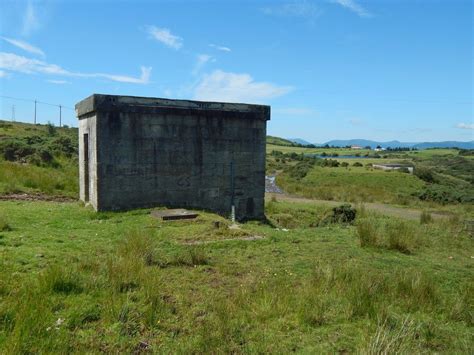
pixel 35 197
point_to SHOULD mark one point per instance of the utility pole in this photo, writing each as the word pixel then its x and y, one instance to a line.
pixel 60 115
pixel 13 113
pixel 35 111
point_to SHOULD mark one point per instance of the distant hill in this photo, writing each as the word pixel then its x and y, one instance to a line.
pixel 278 141
pixel 394 144
pixel 300 141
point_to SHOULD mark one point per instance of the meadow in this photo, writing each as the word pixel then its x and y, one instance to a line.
pixel 312 278
pixel 74 280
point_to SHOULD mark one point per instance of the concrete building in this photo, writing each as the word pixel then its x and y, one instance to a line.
pixel 142 152
pixel 394 167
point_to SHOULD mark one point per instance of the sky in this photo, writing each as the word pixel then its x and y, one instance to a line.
pixel 330 69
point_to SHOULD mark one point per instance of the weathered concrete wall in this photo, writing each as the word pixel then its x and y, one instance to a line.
pixel 88 191
pixel 176 153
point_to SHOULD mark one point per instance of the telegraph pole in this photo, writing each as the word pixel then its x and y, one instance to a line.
pixel 60 115
pixel 35 111
pixel 13 113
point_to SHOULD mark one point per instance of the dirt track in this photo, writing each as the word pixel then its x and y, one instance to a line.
pixel 35 197
pixel 389 210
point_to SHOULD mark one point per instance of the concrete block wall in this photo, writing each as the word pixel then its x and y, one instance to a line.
pixel 175 153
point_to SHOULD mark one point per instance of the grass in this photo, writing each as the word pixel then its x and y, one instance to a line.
pixel 76 281
pixel 366 184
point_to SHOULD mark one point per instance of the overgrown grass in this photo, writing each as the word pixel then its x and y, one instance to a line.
pixel 126 282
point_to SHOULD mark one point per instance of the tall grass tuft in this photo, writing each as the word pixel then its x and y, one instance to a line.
pixel 60 280
pixel 425 217
pixel 4 226
pixel 402 237
pixel 367 232
pixel 393 338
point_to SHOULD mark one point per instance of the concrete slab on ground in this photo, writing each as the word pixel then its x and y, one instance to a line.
pixel 173 214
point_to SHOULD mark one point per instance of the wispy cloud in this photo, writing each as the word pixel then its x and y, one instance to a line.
pixel 59 82
pixel 232 87
pixel 165 36
pixel 353 6
pixel 297 8
pixel 16 63
pixel 30 19
pixel 294 111
pixel 201 60
pixel 220 48
pixel 25 46
pixel 465 125
pixel 3 74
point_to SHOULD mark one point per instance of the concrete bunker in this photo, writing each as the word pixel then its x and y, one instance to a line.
pixel 142 152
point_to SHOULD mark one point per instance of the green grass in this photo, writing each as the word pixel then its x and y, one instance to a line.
pixel 354 184
pixel 72 280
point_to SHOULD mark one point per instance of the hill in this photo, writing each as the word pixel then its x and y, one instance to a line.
pixel 279 141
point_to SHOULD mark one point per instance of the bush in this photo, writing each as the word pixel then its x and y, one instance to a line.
pixel 425 174
pixel 301 169
pixel 344 214
pixel 357 164
pixel 344 164
pixel 51 129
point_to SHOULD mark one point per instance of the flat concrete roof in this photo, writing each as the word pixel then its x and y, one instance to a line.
pixel 107 103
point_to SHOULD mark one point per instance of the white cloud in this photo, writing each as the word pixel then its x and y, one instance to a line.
pixel 220 48
pixel 3 74
pixel 233 87
pixel 465 125
pixel 143 79
pixel 297 8
pixel 25 46
pixel 294 111
pixel 16 63
pixel 59 82
pixel 202 59
pixel 165 36
pixel 354 7
pixel 30 19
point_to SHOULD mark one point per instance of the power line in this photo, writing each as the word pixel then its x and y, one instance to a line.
pixel 36 101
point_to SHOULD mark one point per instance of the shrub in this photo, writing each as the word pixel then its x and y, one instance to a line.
pixel 301 169
pixel 425 174
pixel 51 129
pixel 343 214
pixel 357 164
pixel 344 164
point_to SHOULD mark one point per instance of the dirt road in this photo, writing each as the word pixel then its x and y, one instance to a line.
pixel 389 210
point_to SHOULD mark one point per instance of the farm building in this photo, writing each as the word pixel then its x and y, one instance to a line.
pixel 393 167
pixel 141 152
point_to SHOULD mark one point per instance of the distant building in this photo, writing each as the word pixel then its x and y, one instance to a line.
pixel 356 147
pixel 393 167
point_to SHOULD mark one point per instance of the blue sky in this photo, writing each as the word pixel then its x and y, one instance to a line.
pixel 330 69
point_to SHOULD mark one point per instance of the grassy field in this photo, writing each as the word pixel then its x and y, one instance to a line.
pixel 366 185
pixel 73 280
